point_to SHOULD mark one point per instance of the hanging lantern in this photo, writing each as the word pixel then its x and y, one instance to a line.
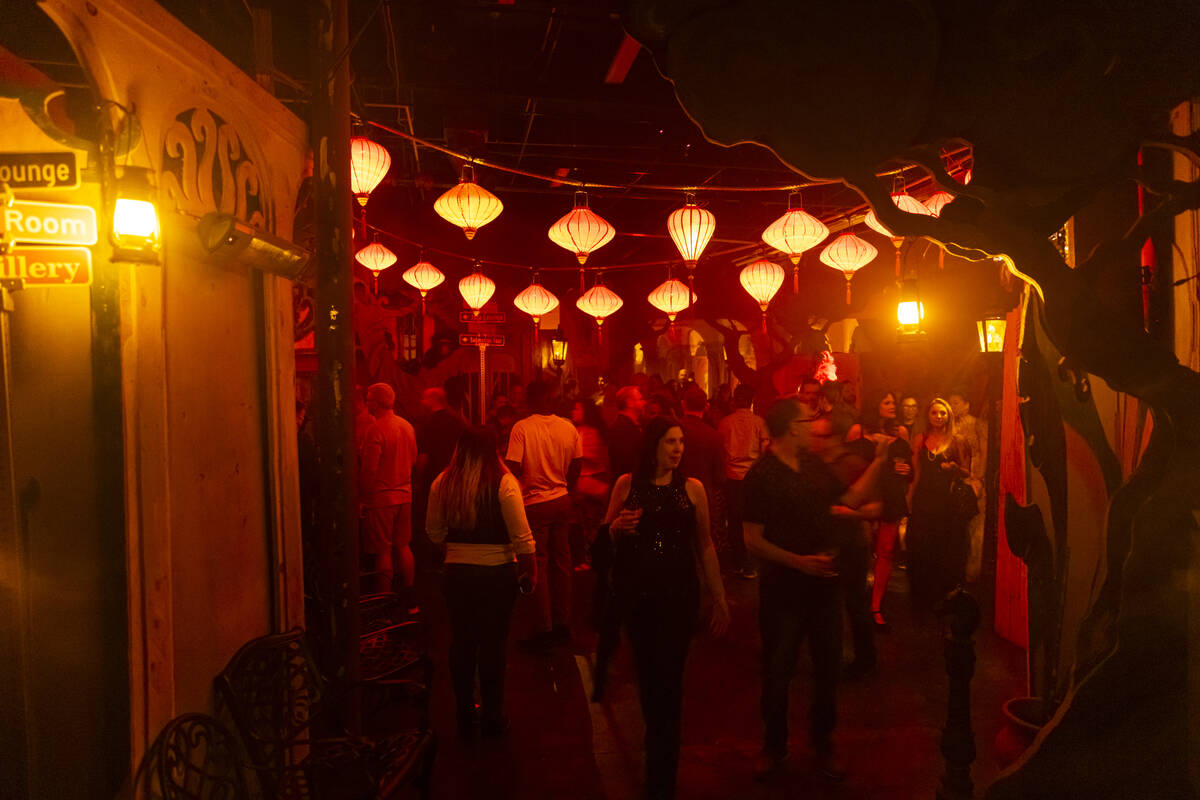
pixel 476 289
pixel 848 253
pixel 423 276
pixel 599 302
pixel 369 162
pixel 376 258
pixel 468 205
pixel 671 297
pixel 793 233
pixel 535 301
pixel 762 280
pixel 905 202
pixel 582 231
pixel 937 201
pixel 691 227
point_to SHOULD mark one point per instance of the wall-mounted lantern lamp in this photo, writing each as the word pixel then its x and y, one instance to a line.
pixel 558 352
pixel 910 311
pixel 135 230
pixel 991 333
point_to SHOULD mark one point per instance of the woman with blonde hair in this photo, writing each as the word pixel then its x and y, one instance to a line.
pixel 475 507
pixel 937 532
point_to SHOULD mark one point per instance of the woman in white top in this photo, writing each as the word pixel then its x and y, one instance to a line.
pixel 475 507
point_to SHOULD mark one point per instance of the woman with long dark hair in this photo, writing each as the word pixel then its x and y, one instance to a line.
pixel 880 417
pixel 475 507
pixel 659 520
pixel 937 534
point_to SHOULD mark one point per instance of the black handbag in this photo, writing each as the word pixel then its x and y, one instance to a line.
pixel 963 501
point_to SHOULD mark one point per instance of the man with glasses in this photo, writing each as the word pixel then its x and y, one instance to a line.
pixel 788 525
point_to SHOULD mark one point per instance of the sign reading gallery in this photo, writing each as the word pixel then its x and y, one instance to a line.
pixel 47 266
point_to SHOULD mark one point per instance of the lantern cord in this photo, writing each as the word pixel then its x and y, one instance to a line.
pixel 565 181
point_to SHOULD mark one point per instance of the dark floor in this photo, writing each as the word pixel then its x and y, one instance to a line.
pixel 562 746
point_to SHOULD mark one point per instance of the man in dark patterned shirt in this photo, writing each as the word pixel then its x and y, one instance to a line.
pixel 791 497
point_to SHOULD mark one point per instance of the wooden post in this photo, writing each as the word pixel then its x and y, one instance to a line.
pixel 961 613
pixel 336 628
pixel 482 384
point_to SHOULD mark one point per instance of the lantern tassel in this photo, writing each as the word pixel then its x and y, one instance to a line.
pixel 847 290
pixel 795 279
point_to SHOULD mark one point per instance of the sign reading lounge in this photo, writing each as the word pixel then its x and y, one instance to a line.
pixel 47 266
pixel 48 223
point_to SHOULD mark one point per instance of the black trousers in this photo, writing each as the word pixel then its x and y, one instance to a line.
pixel 660 631
pixel 853 564
pixel 734 503
pixel 790 611
pixel 480 600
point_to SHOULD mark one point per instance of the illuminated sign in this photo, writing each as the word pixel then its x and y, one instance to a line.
pixel 47 266
pixel 490 317
pixel 47 223
pixel 39 170
pixel 492 339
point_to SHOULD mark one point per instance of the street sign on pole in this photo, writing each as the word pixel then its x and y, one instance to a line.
pixel 47 266
pixel 486 339
pixel 489 317
pixel 29 222
pixel 39 170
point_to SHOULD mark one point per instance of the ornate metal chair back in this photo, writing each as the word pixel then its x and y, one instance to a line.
pixel 195 757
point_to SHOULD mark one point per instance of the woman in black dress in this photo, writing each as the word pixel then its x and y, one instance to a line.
pixel 937 535
pixel 659 521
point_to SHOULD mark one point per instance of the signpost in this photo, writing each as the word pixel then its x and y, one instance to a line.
pixel 39 170
pixel 483 341
pixel 47 266
pixel 29 222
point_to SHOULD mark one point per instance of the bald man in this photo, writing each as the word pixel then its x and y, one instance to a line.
pixel 385 472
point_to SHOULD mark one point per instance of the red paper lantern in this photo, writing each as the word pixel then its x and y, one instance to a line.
pixel 536 301
pixel 599 302
pixel 582 231
pixel 375 257
pixel 691 228
pixel 905 202
pixel 423 276
pixel 476 289
pixel 762 280
pixel 848 253
pixel 671 297
pixel 468 205
pixel 794 233
pixel 937 201
pixel 369 162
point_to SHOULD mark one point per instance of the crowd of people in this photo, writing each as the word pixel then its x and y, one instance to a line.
pixel 659 490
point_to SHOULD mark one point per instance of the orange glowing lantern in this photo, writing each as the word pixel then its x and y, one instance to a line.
pixel 423 276
pixel 535 301
pixel 905 202
pixel 848 253
pixel 937 201
pixel 476 289
pixel 376 258
pixel 671 297
pixel 794 233
pixel 691 228
pixel 762 280
pixel 599 302
pixel 582 231
pixel 468 205
pixel 369 162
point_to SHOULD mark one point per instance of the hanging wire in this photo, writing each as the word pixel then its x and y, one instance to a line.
pixel 561 180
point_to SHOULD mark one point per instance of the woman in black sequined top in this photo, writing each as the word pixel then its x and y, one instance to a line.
pixel 659 520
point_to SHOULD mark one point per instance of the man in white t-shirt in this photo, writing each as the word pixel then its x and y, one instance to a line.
pixel 545 452
pixel 389 453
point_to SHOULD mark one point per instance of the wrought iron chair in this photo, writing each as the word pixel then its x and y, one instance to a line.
pixel 194 758
pixel 274 693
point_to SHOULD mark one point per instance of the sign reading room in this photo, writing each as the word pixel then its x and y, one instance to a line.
pixel 48 266
pixel 48 223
